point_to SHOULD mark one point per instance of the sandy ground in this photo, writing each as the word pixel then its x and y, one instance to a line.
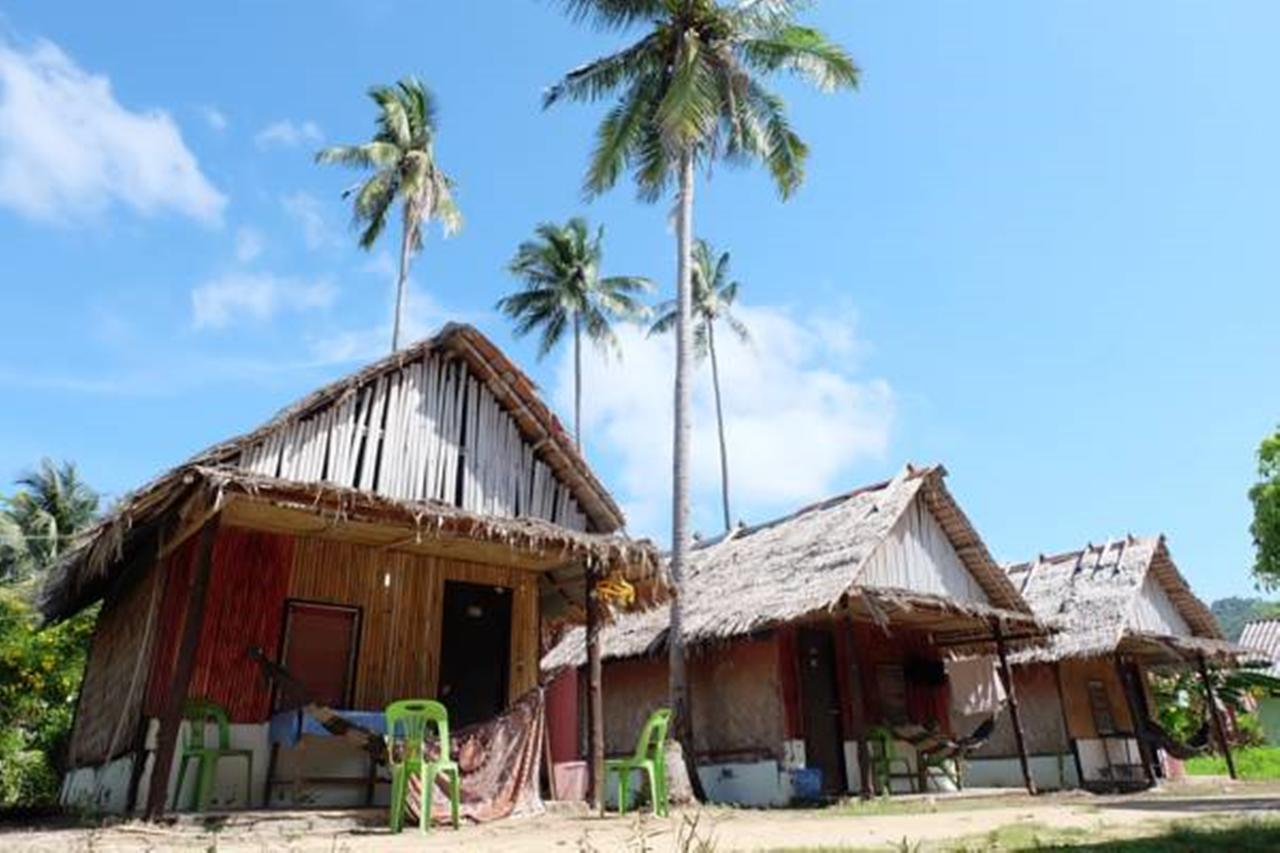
pixel 730 829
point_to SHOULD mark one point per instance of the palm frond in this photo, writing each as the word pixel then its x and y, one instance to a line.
pixel 688 110
pixel 601 77
pixel 804 51
pixel 614 14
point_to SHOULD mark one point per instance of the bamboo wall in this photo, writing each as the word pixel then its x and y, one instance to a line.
pixel 252 576
pixel 116 674
pixel 1076 675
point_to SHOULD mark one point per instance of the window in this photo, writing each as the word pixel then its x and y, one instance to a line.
pixel 320 652
pixel 1100 706
pixel 891 689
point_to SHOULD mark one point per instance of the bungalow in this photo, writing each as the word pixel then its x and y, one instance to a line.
pixel 404 532
pixel 1123 610
pixel 1262 636
pixel 809 634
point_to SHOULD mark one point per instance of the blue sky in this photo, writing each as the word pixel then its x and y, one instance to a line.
pixel 1038 246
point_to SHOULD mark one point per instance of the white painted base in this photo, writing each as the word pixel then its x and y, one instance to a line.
pixel 102 789
pixel 1098 755
pixel 1049 772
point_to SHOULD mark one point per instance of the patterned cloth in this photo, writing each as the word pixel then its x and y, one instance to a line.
pixel 500 762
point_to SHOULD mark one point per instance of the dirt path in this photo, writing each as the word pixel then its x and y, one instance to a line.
pixel 730 829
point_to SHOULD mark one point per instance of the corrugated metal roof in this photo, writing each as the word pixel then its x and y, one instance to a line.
pixel 1264 635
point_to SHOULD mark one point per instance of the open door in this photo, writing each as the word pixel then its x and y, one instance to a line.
pixel 820 701
pixel 475 652
pixel 319 649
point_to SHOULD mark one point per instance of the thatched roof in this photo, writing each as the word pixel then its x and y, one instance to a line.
pixel 515 392
pixel 1263 636
pixel 1093 593
pixel 174 506
pixel 809 562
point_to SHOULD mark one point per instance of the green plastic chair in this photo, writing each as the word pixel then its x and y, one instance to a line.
pixel 650 757
pixel 407 721
pixel 202 716
pixel 885 760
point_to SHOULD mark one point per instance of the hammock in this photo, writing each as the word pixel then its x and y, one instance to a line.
pixel 938 746
pixel 1198 744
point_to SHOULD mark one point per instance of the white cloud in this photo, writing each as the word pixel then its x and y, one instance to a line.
pixel 258 297
pixel 423 316
pixel 215 118
pixel 69 149
pixel 288 134
pixel 308 212
pixel 249 244
pixel 798 418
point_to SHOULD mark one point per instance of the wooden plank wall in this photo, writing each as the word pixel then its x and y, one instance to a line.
pixel 121 643
pixel 1076 675
pixel 400 598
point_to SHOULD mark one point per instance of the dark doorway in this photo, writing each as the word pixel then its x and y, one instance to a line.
pixel 820 700
pixel 475 651
pixel 319 650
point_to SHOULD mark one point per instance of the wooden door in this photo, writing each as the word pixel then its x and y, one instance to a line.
pixel 820 703
pixel 319 650
pixel 475 650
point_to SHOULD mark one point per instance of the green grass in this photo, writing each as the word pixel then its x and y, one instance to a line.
pixel 1254 762
pixel 1204 836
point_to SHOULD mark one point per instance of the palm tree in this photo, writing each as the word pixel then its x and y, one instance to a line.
pixel 402 155
pixel 687 93
pixel 713 298
pixel 41 520
pixel 563 290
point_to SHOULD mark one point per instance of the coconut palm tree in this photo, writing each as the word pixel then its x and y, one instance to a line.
pixel 713 298
pixel 402 157
pixel 40 521
pixel 564 291
pixel 690 91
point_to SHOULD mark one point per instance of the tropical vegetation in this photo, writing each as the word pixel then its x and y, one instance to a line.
pixel 690 91
pixel 1265 496
pixel 713 298
pixel 402 157
pixel 564 292
pixel 40 668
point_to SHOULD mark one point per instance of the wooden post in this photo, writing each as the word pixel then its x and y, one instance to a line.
pixel 180 679
pixel 859 715
pixel 1139 721
pixel 595 698
pixel 1218 727
pixel 1014 715
pixel 1066 723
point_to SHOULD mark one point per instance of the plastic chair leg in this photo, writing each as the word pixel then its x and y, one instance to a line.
pixel 653 788
pixel 428 788
pixel 206 777
pixel 454 797
pixel 624 784
pixel 182 772
pixel 397 799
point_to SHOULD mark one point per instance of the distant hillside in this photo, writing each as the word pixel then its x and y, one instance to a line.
pixel 1232 613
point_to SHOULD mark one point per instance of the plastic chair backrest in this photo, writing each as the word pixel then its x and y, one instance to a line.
pixel 199 713
pixel 882 737
pixel 653 736
pixel 409 719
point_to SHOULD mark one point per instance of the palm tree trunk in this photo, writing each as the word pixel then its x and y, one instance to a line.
pixel 577 382
pixel 724 453
pixel 406 249
pixel 680 534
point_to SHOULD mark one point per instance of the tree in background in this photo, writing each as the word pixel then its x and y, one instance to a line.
pixel 564 291
pixel 402 155
pixel 1234 613
pixel 1265 495
pixel 40 520
pixel 713 298
pixel 687 93
pixel 40 668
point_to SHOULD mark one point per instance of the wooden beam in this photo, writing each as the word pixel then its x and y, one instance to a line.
pixel 1014 714
pixel 1212 700
pixel 1138 717
pixel 858 712
pixel 180 679
pixel 1066 723
pixel 595 697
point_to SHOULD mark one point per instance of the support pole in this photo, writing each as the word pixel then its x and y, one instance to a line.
pixel 1139 721
pixel 595 698
pixel 859 715
pixel 1014 715
pixel 180 679
pixel 1218 726
pixel 1066 724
